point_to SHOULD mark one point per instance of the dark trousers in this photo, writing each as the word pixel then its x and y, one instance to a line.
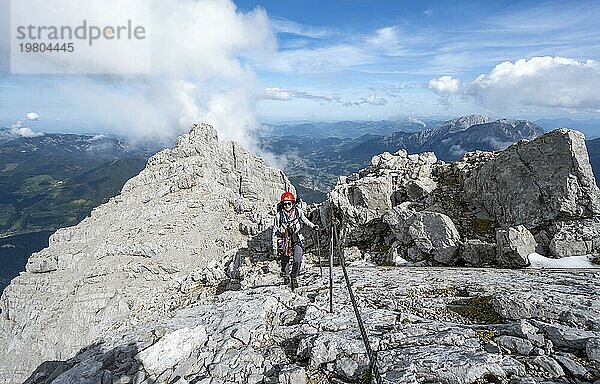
pixel 285 261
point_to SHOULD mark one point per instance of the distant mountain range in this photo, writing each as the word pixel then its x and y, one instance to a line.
pixel 54 180
pixel 455 137
pixel 349 129
pixel 314 163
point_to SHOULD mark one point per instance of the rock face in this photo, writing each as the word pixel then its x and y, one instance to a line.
pixel 488 208
pixel 173 234
pixel 532 183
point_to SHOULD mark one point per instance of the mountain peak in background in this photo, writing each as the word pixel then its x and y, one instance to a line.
pixel 463 123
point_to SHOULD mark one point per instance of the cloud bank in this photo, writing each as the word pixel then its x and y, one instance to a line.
pixel 554 82
pixel 201 72
pixel 19 130
pixel 282 94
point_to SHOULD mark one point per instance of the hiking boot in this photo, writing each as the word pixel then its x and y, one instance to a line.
pixel 286 279
pixel 293 282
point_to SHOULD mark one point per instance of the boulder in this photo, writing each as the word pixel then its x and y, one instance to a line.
pixel 426 235
pixel 549 365
pixel 419 188
pixel 514 246
pixel 478 253
pixel 435 234
pixel 293 374
pixel 592 349
pixel 536 182
pixel 515 344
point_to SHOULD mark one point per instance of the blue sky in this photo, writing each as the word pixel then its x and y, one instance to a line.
pixel 335 60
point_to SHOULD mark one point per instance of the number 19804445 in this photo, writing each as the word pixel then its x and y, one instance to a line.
pixel 47 47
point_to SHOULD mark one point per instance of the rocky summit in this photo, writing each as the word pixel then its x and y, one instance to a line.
pixel 172 280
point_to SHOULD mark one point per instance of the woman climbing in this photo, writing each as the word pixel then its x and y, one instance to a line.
pixel 288 242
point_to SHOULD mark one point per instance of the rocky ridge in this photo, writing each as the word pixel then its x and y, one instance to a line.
pixel 169 237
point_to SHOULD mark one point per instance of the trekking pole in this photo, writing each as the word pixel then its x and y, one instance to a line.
pixel 331 273
pixel 375 376
pixel 319 253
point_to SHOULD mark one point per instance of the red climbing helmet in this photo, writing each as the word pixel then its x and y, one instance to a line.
pixel 288 196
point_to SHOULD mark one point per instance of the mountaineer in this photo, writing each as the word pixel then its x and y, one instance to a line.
pixel 288 242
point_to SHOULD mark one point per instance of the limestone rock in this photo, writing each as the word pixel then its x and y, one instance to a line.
pixel 592 349
pixel 434 233
pixel 549 365
pixel 514 246
pixel 361 200
pixel 531 183
pixel 419 188
pixel 478 253
pixel 251 337
pixel 171 349
pixel 576 239
pixel 567 337
pixel 293 375
pixel 441 364
pixel 168 238
pixel 573 367
pixel 429 234
pixel 515 344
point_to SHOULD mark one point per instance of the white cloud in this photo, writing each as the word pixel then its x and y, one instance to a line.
pixel 554 82
pixel 417 121
pixel 543 81
pixel 287 26
pixel 291 94
pixel 444 85
pixel 371 99
pixel 385 37
pixel 19 130
pixel 388 41
pixel 32 116
pixel 200 72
